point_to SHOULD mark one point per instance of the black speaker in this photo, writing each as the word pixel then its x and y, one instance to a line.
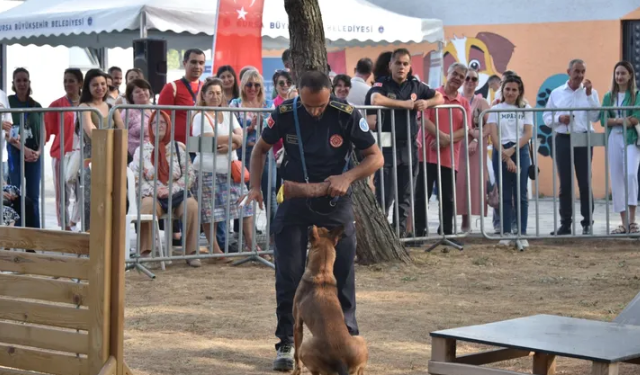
pixel 150 56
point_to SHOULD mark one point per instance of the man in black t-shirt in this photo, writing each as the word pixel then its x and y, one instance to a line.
pixel 406 96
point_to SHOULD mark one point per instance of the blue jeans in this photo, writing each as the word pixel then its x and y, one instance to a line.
pixel 510 186
pixel 32 176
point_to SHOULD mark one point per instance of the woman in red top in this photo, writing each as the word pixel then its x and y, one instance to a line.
pixel 72 86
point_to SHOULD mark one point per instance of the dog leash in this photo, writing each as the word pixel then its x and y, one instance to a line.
pixel 296 121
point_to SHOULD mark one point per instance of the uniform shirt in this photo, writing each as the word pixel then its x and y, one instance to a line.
pixel 444 125
pixel 326 140
pixel 409 89
pixel 507 122
pixel 565 97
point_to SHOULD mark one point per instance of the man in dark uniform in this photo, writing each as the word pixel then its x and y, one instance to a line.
pixel 327 129
pixel 407 95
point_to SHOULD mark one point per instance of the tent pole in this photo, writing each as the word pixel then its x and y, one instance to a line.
pixel 3 67
pixel 143 25
pixel 104 58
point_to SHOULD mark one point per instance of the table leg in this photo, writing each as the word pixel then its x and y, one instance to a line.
pixel 602 368
pixel 443 350
pixel 544 364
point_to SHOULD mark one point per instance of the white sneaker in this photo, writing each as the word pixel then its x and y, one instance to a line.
pixel 507 241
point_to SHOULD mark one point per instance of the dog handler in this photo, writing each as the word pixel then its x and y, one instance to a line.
pixel 318 131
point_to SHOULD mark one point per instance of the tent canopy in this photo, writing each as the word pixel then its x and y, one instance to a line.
pixel 185 24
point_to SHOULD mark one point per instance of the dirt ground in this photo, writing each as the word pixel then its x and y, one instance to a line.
pixel 220 320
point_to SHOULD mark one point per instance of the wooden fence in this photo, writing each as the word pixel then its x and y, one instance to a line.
pixel 63 314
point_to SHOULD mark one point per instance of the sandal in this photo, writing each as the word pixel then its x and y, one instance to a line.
pixel 619 230
pixel 634 228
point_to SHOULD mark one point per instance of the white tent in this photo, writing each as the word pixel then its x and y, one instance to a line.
pixel 190 23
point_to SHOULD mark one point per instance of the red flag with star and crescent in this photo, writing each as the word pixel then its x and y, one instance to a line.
pixel 237 40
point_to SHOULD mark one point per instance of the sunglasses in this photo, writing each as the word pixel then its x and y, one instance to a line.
pixel 474 79
pixel 284 83
pixel 251 85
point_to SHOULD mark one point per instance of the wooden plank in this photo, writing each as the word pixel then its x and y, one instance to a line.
pixel 491 356
pixel 602 368
pixel 633 361
pixel 11 371
pixel 44 338
pixel 44 265
pixel 44 240
pixel 38 360
pixel 442 349
pixel 100 252
pixel 544 364
pixel 447 368
pixel 109 368
pixel 118 248
pixel 127 370
pixel 19 286
pixel 44 314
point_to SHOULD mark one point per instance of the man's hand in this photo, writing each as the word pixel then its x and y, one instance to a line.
pixel 163 192
pixel 255 194
pixel 473 147
pixel 511 166
pixel 408 104
pixel 338 185
pixel 588 87
pixel 420 105
pixel 564 119
pixel 8 196
pixel 6 126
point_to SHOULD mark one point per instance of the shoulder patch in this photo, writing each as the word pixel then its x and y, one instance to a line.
pixel 364 125
pixel 341 106
pixel 288 107
pixel 377 84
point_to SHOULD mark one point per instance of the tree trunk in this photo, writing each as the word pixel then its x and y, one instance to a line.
pixel 377 242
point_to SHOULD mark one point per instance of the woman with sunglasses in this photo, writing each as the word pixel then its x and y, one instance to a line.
pixel 478 143
pixel 252 97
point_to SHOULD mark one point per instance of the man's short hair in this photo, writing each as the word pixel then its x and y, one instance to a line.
pixel 457 65
pixel 574 62
pixel 188 53
pixel 493 78
pixel 364 66
pixel 400 52
pixel 114 69
pixel 315 81
pixel 286 56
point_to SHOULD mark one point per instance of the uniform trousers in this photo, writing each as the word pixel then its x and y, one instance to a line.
pixel 291 225
pixel 616 151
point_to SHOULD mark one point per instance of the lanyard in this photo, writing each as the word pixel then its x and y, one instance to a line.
pixel 194 96
pixel 301 148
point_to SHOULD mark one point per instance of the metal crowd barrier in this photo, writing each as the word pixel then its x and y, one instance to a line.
pixel 202 145
pixel 587 139
pixel 39 204
pixel 389 140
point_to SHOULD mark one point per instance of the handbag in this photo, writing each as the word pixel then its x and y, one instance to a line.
pixel 178 197
pixel 237 172
pixel 72 161
pixel 493 196
pixel 532 167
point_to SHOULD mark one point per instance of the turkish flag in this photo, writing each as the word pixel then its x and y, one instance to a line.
pixel 237 40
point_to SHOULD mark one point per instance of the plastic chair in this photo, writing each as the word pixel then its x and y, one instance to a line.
pixel 132 217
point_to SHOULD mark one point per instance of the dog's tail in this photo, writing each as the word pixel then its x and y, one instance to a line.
pixel 342 368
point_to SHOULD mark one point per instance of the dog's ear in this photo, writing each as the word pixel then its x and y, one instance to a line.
pixel 312 232
pixel 336 234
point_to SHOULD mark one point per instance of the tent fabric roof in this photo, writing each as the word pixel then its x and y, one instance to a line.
pixel 190 23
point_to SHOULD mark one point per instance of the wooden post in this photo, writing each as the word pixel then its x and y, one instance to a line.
pixel 101 247
pixel 544 364
pixel 118 248
pixel 601 368
pixel 443 350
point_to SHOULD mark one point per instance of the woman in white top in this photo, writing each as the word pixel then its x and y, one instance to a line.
pixel 622 139
pixel 512 132
pixel 216 170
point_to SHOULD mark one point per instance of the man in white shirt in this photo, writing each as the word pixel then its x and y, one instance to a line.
pixel 359 85
pixel 574 94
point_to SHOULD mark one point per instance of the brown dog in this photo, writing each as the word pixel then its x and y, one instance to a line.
pixel 332 350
